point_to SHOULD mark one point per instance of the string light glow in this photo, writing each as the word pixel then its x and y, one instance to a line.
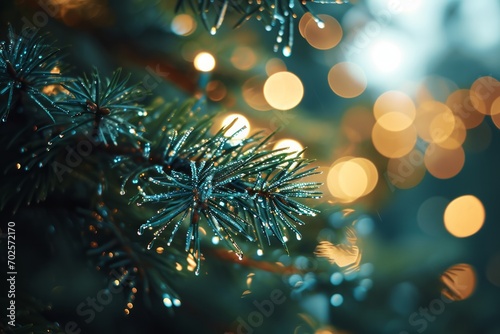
pixel 204 62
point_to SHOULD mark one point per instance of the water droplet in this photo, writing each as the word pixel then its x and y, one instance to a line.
pixel 213 30
pixel 122 192
pixel 140 231
pixel 177 302
pixel 61 135
pixel 268 27
pixel 298 236
pixel 166 300
pixel 260 252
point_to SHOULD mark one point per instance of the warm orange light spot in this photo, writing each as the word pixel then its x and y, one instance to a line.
pixel 434 122
pixel 204 62
pixel 183 25
pixel 243 58
pixel 283 90
pixel 371 174
pixel 393 144
pixel 483 92
pixel 253 93
pixel 495 112
pixel 394 121
pixel 216 90
pixel 275 65
pixel 459 282
pixel 304 20
pixel 351 178
pixel 399 106
pixel 323 35
pixel 443 163
pixel 239 129
pixel 464 216
pixel 289 146
pixel 346 255
pixel 456 137
pixel 461 105
pixel 347 80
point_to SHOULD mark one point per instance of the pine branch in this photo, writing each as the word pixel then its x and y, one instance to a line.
pixel 167 155
pixel 27 64
pixel 272 13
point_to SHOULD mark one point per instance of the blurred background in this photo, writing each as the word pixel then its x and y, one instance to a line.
pixel 398 102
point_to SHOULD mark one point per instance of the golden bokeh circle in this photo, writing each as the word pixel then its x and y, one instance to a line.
pixel 253 93
pixel 395 103
pixel 461 105
pixel 204 62
pixel 347 80
pixel 443 163
pixel 393 144
pixel 243 58
pixel 459 282
pixel 324 35
pixel 183 25
pixel 464 216
pixel 434 122
pixel 483 92
pixel 283 90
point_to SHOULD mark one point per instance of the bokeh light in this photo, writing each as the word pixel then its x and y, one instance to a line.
pixel 275 65
pixel 243 58
pixel 394 110
pixel 336 300
pixel 289 146
pixel 350 178
pixel 435 121
pixel 386 56
pixel 464 216
pixel 253 93
pixel 461 105
pixel 347 80
pixel 483 92
pixel 204 62
pixel 393 144
pixel 283 90
pixel 324 35
pixel 183 25
pixel 240 129
pixel 443 163
pixel 216 90
pixel 459 282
